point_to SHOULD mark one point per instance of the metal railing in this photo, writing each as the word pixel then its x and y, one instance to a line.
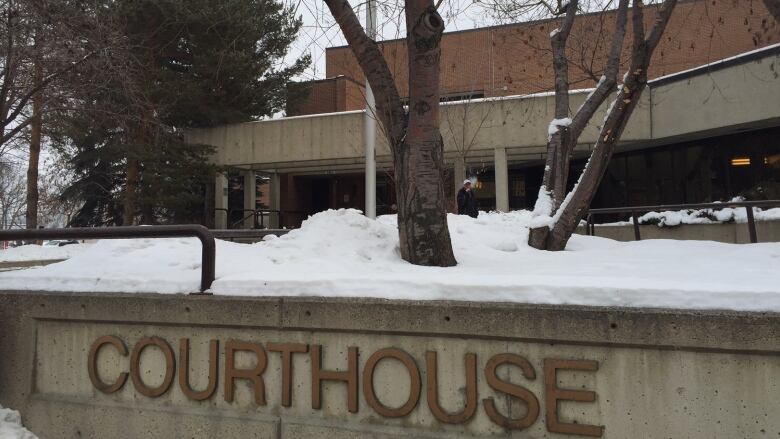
pixel 208 254
pixel 258 216
pixel 246 234
pixel 748 205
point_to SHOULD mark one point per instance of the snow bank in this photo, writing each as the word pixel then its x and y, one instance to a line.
pixel 39 252
pixel 11 425
pixel 344 254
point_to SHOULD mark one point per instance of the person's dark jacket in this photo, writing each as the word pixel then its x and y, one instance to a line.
pixel 467 204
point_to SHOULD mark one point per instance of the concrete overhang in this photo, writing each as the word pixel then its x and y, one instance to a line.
pixel 728 96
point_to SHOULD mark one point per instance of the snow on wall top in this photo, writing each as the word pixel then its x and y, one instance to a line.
pixel 342 253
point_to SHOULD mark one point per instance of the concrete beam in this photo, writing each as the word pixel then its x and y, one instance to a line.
pixel 668 111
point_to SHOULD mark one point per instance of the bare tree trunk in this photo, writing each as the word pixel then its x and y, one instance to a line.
pixel 208 208
pixel 556 167
pixel 564 134
pixel 419 160
pixel 416 142
pixel 36 127
pixel 617 119
pixel 131 192
pixel 147 214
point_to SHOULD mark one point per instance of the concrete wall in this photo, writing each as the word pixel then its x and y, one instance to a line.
pixel 720 99
pixel 766 231
pixel 651 373
pixel 732 96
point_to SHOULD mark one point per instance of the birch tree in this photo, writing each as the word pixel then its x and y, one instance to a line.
pixel 415 140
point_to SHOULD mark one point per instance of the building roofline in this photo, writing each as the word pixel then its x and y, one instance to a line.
pixel 717 65
pixel 328 79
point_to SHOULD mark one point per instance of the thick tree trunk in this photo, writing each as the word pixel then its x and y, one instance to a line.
pixel 419 159
pixel 416 142
pixel 147 214
pixel 617 119
pixel 131 192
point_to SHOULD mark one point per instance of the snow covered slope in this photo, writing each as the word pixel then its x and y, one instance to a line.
pixel 39 253
pixel 342 253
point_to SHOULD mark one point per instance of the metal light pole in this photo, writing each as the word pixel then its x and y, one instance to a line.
pixel 369 123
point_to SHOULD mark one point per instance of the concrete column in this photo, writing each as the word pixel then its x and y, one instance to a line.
pixel 220 201
pixel 250 197
pixel 502 180
pixel 275 200
pixel 369 124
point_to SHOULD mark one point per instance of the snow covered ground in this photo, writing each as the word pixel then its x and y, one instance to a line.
pixel 11 425
pixel 39 252
pixel 344 254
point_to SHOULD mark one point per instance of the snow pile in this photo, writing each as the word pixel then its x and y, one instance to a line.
pixel 342 253
pixel 41 253
pixel 541 215
pixel 11 425
pixel 165 265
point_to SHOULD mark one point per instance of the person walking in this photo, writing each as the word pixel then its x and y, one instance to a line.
pixel 467 203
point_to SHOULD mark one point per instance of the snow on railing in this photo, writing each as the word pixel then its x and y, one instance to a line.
pixel 702 213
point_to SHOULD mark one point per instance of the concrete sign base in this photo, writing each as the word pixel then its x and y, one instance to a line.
pixel 160 366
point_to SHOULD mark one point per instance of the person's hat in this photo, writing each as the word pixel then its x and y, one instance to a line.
pixel 466 181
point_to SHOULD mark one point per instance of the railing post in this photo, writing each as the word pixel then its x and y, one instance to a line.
pixel 589 224
pixel 208 259
pixel 751 224
pixel 636 226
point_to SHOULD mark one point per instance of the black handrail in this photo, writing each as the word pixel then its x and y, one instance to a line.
pixel 257 213
pixel 232 234
pixel 208 255
pixel 748 205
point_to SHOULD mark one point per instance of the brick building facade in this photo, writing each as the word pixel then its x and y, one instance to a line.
pixel 515 59
pixel 331 95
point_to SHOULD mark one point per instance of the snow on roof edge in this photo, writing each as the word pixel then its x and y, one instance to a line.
pixel 721 63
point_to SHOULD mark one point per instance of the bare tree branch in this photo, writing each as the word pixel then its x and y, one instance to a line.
pixel 577 202
pixel 372 62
